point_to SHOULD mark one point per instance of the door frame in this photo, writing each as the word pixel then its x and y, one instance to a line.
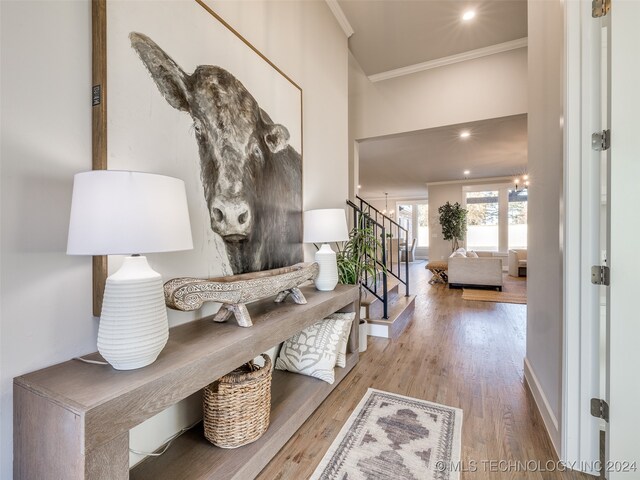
pixel 580 216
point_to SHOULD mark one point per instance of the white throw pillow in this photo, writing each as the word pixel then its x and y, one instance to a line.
pixel 462 251
pixel 341 360
pixel 472 254
pixel 457 254
pixel 314 350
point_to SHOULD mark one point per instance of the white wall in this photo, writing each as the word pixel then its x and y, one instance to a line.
pixel 545 295
pixel 479 89
pixel 45 311
pixel 488 87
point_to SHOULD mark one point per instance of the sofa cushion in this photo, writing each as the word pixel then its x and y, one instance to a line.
pixel 475 271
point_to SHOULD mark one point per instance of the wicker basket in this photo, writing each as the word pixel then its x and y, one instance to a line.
pixel 237 406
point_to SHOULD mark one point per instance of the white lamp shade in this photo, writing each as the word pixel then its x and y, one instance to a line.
pixel 325 225
pixel 120 212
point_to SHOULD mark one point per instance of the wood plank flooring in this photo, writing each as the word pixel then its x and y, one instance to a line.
pixel 458 353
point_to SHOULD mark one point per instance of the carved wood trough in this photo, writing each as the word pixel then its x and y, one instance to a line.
pixel 235 291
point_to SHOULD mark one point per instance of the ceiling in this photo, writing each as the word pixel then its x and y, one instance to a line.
pixel 402 164
pixel 392 34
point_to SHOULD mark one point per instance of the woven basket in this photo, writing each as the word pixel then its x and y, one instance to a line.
pixel 237 406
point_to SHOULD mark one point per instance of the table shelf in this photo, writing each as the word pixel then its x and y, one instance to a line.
pixel 72 420
pixel 191 456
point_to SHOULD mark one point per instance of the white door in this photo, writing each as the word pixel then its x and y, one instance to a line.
pixel 623 439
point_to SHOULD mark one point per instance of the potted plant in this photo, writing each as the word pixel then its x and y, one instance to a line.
pixel 453 220
pixel 357 263
pixel 357 256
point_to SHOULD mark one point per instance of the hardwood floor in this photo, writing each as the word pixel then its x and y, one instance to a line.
pixel 458 353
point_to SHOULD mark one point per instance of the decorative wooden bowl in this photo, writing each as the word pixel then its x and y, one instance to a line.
pixel 235 291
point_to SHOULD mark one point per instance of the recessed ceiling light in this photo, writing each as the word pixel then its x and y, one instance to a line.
pixel 468 15
pixel 467 172
pixel 465 134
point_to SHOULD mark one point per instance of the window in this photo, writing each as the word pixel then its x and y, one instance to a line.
pixel 482 220
pixel 405 219
pixel 496 217
pixel 423 225
pixel 518 203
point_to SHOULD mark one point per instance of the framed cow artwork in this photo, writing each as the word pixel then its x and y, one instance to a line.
pixel 178 91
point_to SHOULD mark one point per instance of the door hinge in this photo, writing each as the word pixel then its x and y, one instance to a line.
pixel 599 8
pixel 600 275
pixel 600 409
pixel 601 140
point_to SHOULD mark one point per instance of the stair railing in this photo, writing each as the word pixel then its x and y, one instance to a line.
pixel 381 292
pixel 394 235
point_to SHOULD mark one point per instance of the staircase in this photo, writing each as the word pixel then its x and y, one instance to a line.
pixel 385 307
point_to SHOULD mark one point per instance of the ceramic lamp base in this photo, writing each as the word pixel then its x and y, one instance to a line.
pixel 133 326
pixel 327 278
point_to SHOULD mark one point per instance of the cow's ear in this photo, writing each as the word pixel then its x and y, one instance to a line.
pixel 276 137
pixel 169 77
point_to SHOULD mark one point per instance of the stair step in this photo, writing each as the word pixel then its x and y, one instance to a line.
pixel 374 306
pixel 392 286
pixel 400 312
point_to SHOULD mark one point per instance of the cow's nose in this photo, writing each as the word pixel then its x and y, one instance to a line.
pixel 231 217
pixel 218 216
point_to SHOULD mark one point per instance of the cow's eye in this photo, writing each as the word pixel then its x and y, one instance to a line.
pixel 256 151
pixel 197 128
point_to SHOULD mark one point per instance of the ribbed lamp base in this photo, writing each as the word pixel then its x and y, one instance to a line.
pixel 133 326
pixel 327 278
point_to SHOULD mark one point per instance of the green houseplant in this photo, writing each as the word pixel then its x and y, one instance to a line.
pixel 453 220
pixel 357 257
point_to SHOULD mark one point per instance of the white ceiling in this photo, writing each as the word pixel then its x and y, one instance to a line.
pixel 402 164
pixel 390 34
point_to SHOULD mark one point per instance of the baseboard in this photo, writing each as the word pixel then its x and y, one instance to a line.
pixel 381 331
pixel 549 419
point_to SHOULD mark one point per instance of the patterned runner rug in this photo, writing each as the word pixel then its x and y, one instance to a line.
pixel 389 436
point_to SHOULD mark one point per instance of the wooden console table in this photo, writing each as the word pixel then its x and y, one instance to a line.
pixel 72 420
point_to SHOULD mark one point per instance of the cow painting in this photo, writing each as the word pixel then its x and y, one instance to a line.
pixel 252 177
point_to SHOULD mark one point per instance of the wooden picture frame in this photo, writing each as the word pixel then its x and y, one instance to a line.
pixel 100 138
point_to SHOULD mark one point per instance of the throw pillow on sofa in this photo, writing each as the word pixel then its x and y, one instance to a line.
pixel 457 254
pixel 472 254
pixel 314 350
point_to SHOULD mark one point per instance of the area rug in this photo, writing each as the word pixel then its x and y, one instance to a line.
pixel 514 290
pixel 389 436
pixel 493 296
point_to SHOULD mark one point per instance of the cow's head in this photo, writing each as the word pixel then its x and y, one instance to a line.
pixel 234 136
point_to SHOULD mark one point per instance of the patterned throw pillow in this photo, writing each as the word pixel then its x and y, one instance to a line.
pixel 341 361
pixel 314 350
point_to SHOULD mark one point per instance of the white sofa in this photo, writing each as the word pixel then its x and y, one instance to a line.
pixel 485 270
pixel 517 262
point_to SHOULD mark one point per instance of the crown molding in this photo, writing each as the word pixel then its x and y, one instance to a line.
pixel 340 17
pixel 397 198
pixel 441 62
pixel 473 181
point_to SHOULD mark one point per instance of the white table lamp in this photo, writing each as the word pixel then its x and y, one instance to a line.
pixel 119 212
pixel 324 226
